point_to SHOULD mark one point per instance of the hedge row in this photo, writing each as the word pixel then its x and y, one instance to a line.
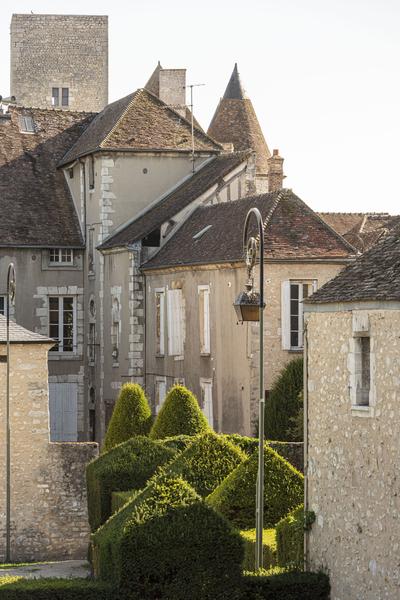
pixel 167 543
pixel 119 499
pixel 14 588
pixel 235 496
pixel 269 548
pixel 126 467
pixel 290 451
pixel 179 414
pixel 286 586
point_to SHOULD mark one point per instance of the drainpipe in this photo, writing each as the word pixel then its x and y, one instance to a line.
pixel 305 410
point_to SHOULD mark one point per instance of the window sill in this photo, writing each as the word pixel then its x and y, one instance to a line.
pixel 160 355
pixel 115 365
pixel 180 357
pixel 296 350
pixel 358 410
pixel 205 354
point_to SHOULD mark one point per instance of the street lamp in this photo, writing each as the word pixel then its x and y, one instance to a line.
pixel 10 300
pixel 249 306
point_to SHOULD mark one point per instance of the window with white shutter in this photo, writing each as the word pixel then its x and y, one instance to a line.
pixel 160 321
pixel 176 322
pixel 160 392
pixel 292 323
pixel 204 319
pixel 206 400
pixel 63 408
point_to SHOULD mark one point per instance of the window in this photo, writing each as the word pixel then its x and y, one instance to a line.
pixel 62 322
pixel 176 323
pixel 91 250
pixel 362 370
pixel 26 124
pixel 55 96
pixel 64 96
pixel 92 425
pixel 292 323
pixel 91 172
pixel 63 408
pixel 206 400
pixel 160 392
pixel 204 318
pixel 3 305
pixel 92 342
pixel 160 321
pixel 115 329
pixel 61 256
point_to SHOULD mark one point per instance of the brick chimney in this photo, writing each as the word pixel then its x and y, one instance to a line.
pixel 172 89
pixel 275 172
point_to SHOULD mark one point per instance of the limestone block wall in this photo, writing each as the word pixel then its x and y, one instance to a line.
pixel 69 51
pixel 48 492
pixel 353 458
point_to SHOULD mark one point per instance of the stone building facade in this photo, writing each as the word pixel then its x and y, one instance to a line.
pixel 48 505
pixel 59 61
pixel 352 420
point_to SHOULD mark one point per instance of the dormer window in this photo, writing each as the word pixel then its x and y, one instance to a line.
pixel 61 256
pixel 26 124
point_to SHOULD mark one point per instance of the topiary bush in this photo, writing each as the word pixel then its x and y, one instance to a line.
pixel 283 404
pixel 180 414
pixel 290 537
pixel 126 467
pixel 285 586
pixel 18 588
pixel 131 416
pixel 167 543
pixel 269 548
pixel 119 499
pixel 177 442
pixel 235 496
pixel 206 462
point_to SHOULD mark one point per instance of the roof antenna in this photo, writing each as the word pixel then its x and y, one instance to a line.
pixel 191 86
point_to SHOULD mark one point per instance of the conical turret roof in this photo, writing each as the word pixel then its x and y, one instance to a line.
pixel 235 121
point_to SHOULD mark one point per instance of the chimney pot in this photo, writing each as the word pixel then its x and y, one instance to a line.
pixel 275 172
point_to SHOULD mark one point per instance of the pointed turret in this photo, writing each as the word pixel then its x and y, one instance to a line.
pixel 235 121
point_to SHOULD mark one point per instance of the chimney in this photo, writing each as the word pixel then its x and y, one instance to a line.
pixel 275 172
pixel 172 88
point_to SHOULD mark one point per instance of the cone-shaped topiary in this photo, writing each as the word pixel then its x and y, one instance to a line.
pixel 283 404
pixel 180 414
pixel 131 416
pixel 235 496
pixel 206 462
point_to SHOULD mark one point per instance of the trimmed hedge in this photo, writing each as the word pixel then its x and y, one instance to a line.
pixel 269 548
pixel 286 586
pixel 235 496
pixel 131 416
pixel 119 499
pixel 180 414
pixel 293 452
pixel 16 588
pixel 283 403
pixel 167 543
pixel 126 467
pixel 290 539
pixel 206 462
pixel 177 442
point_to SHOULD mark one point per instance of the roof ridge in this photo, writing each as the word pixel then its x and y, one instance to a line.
pixel 118 121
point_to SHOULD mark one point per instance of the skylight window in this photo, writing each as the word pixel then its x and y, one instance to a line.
pixel 26 124
pixel 200 234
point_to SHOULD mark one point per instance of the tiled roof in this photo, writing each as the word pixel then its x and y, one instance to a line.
pixel 362 230
pixel 374 276
pixel 19 334
pixel 294 232
pixel 140 122
pixel 35 203
pixel 235 121
pixel 170 205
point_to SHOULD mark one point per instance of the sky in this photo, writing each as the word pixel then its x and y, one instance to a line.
pixel 323 76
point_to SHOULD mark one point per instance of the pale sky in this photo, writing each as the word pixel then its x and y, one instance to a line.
pixel 323 76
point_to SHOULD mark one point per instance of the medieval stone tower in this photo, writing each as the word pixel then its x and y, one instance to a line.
pixel 60 61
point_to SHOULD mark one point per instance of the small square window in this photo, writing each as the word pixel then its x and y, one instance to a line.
pixel 64 96
pixel 26 124
pixel 61 256
pixel 55 96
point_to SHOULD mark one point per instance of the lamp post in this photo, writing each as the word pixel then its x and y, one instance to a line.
pixel 10 300
pixel 249 306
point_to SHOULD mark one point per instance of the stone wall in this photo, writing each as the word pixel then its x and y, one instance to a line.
pixel 69 51
pixel 353 457
pixel 48 491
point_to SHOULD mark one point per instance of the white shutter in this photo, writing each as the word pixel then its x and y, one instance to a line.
pixel 206 387
pixel 175 312
pixel 161 391
pixel 63 407
pixel 285 314
pixel 204 318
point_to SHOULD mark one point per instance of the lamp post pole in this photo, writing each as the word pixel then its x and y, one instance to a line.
pixel 251 247
pixel 10 298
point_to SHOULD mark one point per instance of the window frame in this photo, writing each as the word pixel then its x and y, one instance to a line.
pixel 59 349
pixel 158 381
pixel 3 301
pixel 207 385
pixel 159 329
pixel 175 323
pixel 204 320
pixel 361 331
pixel 60 261
pixel 286 312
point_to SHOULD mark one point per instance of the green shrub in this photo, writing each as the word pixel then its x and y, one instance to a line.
pixel 235 496
pixel 167 543
pixel 283 404
pixel 248 445
pixel 290 451
pixel 131 416
pixel 16 588
pixel 177 442
pixel 286 586
pixel 206 462
pixel 290 537
pixel 126 467
pixel 269 548
pixel 180 414
pixel 118 499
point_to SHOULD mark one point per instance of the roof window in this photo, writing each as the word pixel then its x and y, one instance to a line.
pixel 26 124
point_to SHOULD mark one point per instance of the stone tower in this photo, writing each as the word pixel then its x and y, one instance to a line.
pixel 60 61
pixel 235 122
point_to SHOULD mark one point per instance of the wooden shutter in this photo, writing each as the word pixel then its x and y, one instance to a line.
pixel 204 319
pixel 161 391
pixel 63 407
pixel 175 312
pixel 285 314
pixel 206 387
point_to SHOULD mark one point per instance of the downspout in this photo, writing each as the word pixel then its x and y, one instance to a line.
pixel 305 410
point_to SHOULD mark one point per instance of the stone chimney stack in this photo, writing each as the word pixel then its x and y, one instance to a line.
pixel 172 89
pixel 275 172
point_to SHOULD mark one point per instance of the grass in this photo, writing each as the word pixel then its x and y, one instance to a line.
pixel 23 564
pixel 269 548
